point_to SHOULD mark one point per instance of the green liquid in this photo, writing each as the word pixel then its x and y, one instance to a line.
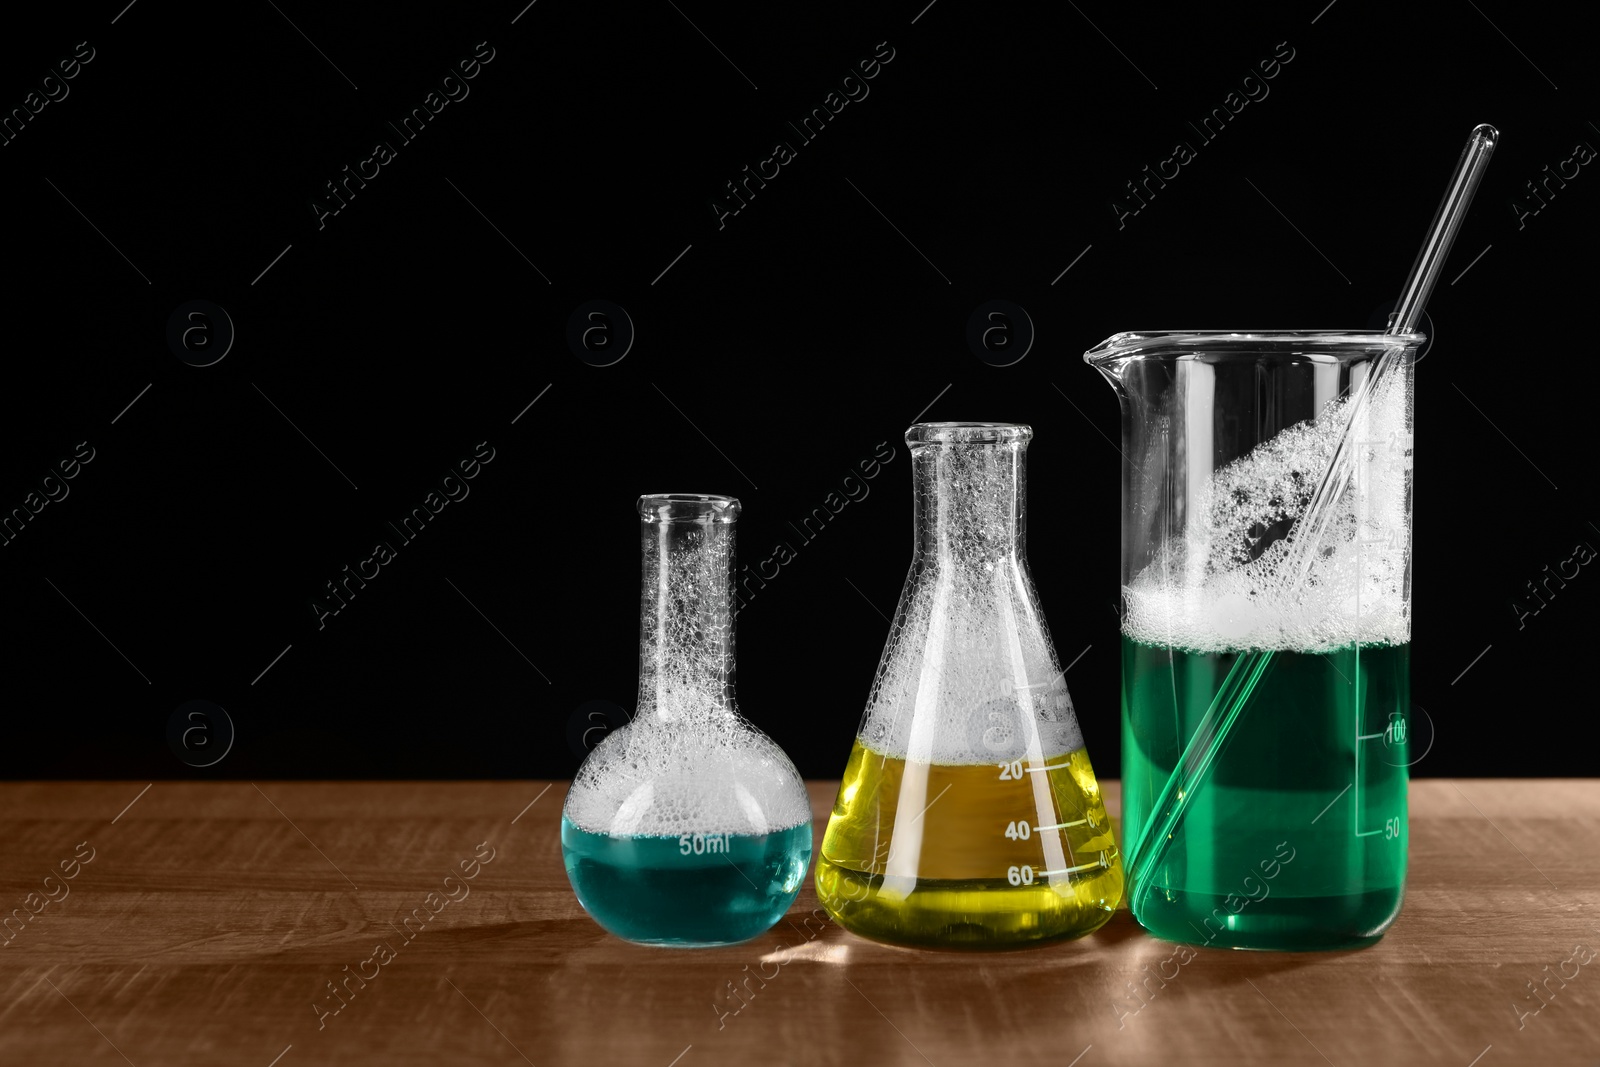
pixel 697 889
pixel 1296 839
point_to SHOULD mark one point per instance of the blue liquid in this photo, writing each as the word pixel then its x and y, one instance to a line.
pixel 697 889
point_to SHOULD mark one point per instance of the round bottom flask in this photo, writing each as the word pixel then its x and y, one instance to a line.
pixel 688 826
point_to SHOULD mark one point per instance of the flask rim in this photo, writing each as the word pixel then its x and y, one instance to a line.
pixel 688 507
pixel 968 433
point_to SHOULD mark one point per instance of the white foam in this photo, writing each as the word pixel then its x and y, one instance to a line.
pixel 687 763
pixel 969 675
pixel 653 778
pixel 1313 590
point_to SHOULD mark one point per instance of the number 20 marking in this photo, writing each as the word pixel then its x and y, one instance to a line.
pixel 1010 771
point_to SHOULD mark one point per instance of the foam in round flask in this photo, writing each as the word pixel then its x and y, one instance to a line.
pixel 687 826
pixel 969 815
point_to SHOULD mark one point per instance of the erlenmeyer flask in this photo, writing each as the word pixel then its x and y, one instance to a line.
pixel 969 815
pixel 687 826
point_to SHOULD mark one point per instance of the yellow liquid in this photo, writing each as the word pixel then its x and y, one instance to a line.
pixel 985 856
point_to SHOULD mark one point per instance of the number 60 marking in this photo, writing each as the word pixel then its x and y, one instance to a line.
pixel 1020 875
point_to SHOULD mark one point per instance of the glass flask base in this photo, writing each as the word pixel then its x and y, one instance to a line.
pixel 979 914
pixel 1006 854
pixel 1283 924
pixel 689 891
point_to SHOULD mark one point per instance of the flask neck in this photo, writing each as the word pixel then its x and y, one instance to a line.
pixel 686 655
pixel 970 501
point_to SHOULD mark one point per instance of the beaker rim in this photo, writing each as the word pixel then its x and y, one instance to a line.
pixel 1178 343
pixel 967 433
pixel 688 507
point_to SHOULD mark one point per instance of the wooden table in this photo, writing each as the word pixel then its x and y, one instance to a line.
pixel 205 923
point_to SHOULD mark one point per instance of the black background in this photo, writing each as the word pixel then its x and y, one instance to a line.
pixel 771 357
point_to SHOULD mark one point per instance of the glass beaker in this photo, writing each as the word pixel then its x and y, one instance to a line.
pixel 687 826
pixel 1266 560
pixel 969 815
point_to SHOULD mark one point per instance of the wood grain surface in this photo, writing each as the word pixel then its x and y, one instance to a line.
pixel 204 922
